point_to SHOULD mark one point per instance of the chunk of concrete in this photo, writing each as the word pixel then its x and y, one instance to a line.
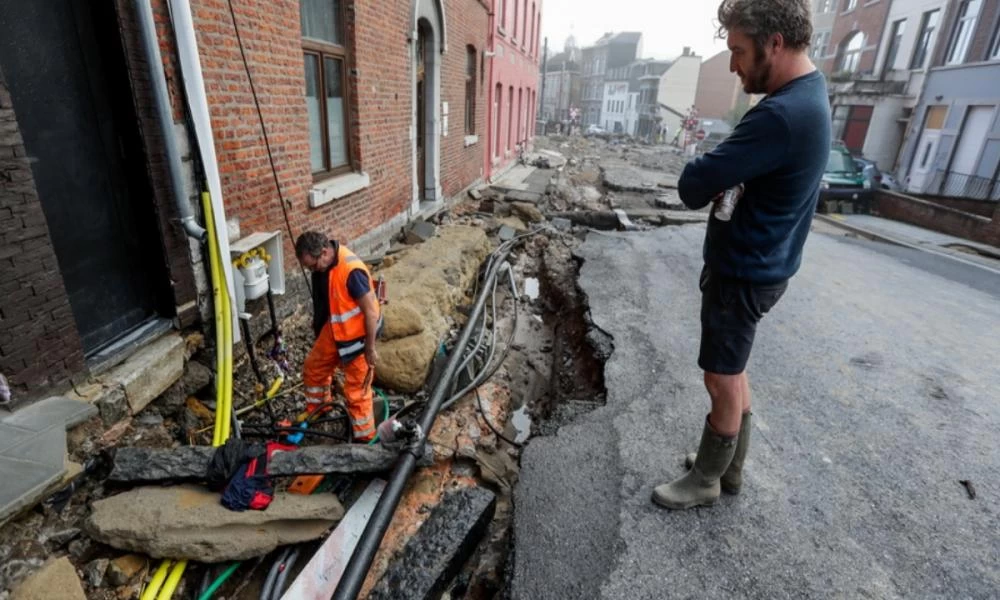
pixel 195 378
pixel 562 224
pixel 56 580
pixel 522 196
pixel 528 212
pixel 419 232
pixel 402 319
pixel 439 549
pixel 149 372
pixel 124 569
pixel 50 411
pixel 112 405
pixel 188 522
pixel 506 233
pixel 475 194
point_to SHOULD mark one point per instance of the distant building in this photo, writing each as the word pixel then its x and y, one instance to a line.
pixel 562 83
pixel 616 101
pixel 720 92
pixel 609 52
pixel 824 15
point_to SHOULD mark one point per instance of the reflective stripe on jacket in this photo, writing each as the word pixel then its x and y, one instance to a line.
pixel 347 320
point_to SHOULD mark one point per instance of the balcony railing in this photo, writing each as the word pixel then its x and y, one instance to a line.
pixel 958 185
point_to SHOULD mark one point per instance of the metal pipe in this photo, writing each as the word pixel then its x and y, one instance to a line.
pixel 164 116
pixel 361 560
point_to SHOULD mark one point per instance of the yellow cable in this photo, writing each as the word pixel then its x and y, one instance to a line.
pixel 175 578
pixel 217 294
pixel 156 582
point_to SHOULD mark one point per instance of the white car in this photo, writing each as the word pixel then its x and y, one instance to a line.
pixel 594 130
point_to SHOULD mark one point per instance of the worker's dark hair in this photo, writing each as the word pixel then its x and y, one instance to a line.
pixel 760 19
pixel 311 243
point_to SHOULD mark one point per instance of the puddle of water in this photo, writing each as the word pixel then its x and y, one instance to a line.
pixel 531 288
pixel 520 421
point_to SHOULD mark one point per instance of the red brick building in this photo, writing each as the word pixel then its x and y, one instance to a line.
pixel 857 31
pixel 365 106
pixel 514 52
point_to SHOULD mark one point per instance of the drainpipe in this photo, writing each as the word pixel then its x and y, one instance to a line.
pixel 164 116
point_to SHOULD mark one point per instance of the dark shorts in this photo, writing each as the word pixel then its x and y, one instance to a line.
pixel 730 310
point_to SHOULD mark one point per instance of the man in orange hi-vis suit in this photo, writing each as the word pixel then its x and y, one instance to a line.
pixel 346 320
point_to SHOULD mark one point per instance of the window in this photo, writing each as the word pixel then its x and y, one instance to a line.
pixel 502 11
pixel 820 42
pixel 995 49
pixel 531 40
pixel 851 58
pixel 326 86
pixel 928 25
pixel 968 12
pixel 895 39
pixel 470 92
pixel 510 118
pixel 826 6
pixel 497 105
pixel 517 19
pixel 850 5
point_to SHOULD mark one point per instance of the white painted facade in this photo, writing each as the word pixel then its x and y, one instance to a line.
pixel 613 111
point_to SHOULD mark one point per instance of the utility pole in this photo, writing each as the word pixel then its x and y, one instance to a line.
pixel 545 65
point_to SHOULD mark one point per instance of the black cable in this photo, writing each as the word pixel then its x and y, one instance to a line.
pixel 482 412
pixel 267 143
pixel 245 326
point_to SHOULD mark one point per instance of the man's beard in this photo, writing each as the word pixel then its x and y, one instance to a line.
pixel 756 80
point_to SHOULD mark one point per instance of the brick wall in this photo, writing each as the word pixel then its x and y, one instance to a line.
pixel 986 27
pixel 938 218
pixel 867 18
pixel 39 343
pixel 176 248
pixel 381 111
pixel 983 208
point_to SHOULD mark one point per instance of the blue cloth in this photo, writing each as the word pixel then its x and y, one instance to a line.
pixel 778 151
pixel 357 284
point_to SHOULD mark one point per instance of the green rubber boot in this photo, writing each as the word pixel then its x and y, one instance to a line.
pixel 732 479
pixel 699 486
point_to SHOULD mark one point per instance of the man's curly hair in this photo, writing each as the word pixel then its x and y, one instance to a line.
pixel 760 19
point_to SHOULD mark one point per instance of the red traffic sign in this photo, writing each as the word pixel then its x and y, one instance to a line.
pixel 700 135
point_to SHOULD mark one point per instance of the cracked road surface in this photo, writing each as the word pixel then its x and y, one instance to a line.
pixel 875 387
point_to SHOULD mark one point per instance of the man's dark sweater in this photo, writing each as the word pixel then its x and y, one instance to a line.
pixel 778 151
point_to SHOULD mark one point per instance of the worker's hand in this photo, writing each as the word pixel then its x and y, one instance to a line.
pixel 371 356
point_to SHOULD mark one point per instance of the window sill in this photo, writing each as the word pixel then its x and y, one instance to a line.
pixel 338 187
pixel 471 139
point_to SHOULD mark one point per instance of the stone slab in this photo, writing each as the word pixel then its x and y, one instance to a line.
pixel 188 521
pixel 436 553
pixel 56 580
pixel 28 482
pixel 189 463
pixel 419 232
pixel 522 196
pixel 149 372
pixel 53 410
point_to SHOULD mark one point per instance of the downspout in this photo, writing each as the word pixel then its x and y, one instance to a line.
pixel 164 116
pixel 194 87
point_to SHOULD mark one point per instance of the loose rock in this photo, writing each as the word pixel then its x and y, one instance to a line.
pixel 95 570
pixel 528 212
pixel 124 569
pixel 56 580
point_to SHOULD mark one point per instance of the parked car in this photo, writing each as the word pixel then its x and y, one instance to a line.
pixel 595 130
pixel 844 183
pixel 872 173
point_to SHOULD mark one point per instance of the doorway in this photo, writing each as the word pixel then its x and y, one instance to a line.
pixel 426 104
pixel 64 65
pixel 926 154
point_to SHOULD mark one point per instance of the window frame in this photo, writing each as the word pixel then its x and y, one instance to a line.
pixel 896 32
pixel 921 49
pixel 842 66
pixel 962 18
pixel 850 5
pixel 327 50
pixel 994 52
pixel 470 89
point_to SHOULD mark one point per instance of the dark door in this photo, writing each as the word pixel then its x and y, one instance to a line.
pixel 421 106
pixel 64 65
pixel 856 128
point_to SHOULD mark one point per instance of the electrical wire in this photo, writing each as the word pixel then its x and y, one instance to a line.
pixel 496 432
pixel 267 143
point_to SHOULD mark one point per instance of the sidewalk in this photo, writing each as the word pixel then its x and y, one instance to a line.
pixel 904 234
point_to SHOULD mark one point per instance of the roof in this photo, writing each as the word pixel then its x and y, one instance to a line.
pixel 627 37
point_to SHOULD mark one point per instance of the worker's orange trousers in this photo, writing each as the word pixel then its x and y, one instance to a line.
pixel 317 375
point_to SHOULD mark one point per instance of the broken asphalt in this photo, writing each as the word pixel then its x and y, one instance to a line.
pixel 874 396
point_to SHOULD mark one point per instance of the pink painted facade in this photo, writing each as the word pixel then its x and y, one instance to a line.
pixel 514 53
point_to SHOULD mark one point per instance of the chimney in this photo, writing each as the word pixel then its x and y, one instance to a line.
pixel 687 50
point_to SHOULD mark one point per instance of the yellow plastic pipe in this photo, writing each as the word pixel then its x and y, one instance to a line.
pixel 175 578
pixel 156 582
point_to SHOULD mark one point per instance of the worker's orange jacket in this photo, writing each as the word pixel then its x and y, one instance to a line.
pixel 346 317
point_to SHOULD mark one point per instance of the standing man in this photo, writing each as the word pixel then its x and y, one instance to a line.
pixel 346 320
pixel 776 155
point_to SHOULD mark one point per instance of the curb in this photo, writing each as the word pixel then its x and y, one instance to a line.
pixel 879 237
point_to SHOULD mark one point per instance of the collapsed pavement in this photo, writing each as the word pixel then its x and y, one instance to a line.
pixel 551 374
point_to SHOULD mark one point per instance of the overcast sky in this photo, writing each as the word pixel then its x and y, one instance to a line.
pixel 666 25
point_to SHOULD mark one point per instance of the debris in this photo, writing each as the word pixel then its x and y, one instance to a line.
pixel 56 580
pixel 4 390
pixel 528 212
pixel 514 196
pixel 190 463
pixel 124 569
pixel 420 231
pixel 542 163
pixel 488 205
pixel 80 548
pixel 188 522
pixel 112 405
pixel 497 468
pixel 95 570
pixel 668 202
pixel 969 488
pixel 196 377
pixel 442 545
pixel 506 233
pixel 624 222
pixel 531 288
pixel 562 224
pixel 402 319
pixel 475 194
